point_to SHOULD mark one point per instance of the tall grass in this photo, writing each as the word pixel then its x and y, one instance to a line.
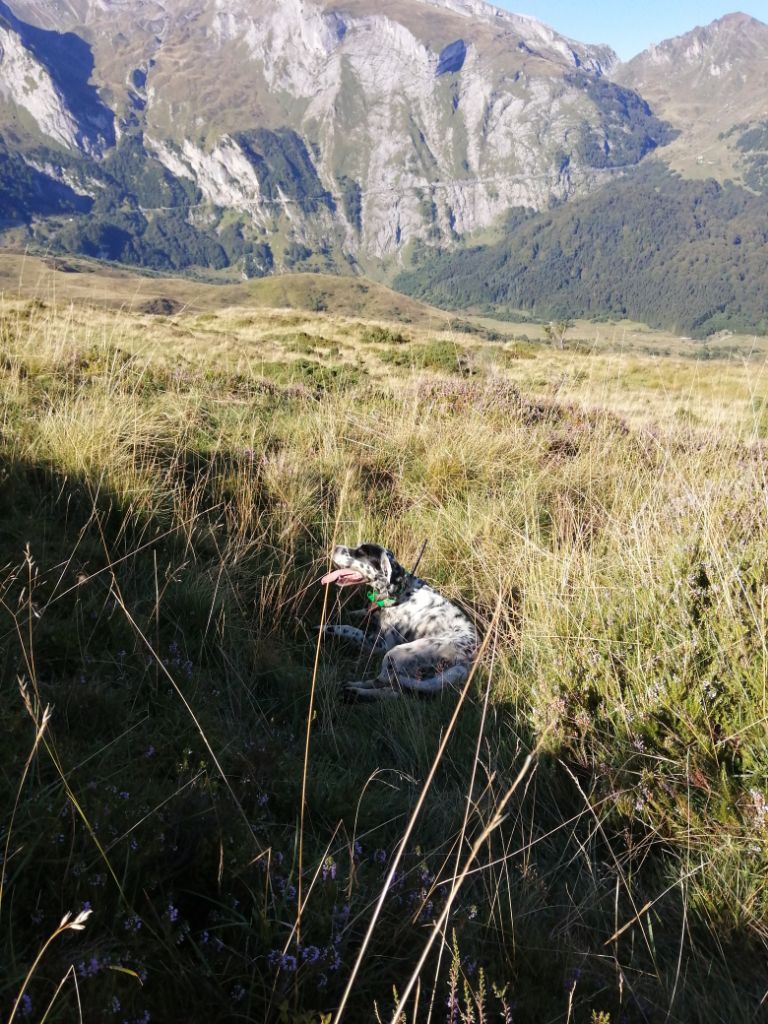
pixel 585 839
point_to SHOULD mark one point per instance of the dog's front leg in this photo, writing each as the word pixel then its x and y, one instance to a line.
pixel 360 615
pixel 368 690
pixel 356 636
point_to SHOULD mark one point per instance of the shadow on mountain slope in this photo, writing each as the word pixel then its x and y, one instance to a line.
pixel 68 58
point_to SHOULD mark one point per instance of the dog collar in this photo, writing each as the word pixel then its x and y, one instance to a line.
pixel 383 600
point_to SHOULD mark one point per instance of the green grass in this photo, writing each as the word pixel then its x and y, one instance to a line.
pixel 170 492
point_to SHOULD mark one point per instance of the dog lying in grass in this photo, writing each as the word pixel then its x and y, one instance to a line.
pixel 427 643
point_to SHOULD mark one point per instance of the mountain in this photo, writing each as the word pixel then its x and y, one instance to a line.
pixel 711 84
pixel 678 241
pixel 651 246
pixel 309 134
pixel 242 138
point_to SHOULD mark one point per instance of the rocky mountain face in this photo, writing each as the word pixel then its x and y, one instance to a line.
pixel 272 134
pixel 712 85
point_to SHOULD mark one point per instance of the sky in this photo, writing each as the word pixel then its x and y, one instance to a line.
pixel 633 27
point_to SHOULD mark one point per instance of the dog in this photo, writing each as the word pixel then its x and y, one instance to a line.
pixel 427 643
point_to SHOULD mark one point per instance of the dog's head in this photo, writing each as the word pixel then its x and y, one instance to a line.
pixel 368 563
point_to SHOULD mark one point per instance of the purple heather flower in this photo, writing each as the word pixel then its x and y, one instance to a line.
pixel 331 955
pixel 25 1006
pixel 173 913
pixel 282 961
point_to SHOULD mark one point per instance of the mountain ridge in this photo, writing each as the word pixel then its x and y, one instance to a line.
pixel 425 123
pixel 250 138
pixel 705 82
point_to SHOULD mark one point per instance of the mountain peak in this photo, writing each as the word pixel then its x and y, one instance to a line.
pixel 731 38
pixel 736 19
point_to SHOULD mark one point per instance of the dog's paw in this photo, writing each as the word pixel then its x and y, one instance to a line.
pixel 356 693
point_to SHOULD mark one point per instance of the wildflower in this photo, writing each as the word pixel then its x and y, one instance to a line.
pixel 150 751
pixel 340 918
pixel 760 808
pixel 88 970
pixel 332 957
pixel 282 961
pixel 286 890
pixel 25 1006
pixel 237 994
pixel 172 913
pixel 132 923
pixel 380 856
pixel 310 954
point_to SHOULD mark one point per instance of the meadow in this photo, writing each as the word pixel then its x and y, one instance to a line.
pixel 580 835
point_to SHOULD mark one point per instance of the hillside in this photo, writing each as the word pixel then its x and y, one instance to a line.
pixel 177 765
pixel 654 247
pixel 108 286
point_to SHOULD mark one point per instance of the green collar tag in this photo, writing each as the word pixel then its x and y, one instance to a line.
pixel 387 602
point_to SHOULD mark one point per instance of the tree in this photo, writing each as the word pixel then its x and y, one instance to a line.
pixel 556 331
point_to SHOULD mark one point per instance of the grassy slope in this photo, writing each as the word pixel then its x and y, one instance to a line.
pixel 80 280
pixel 171 488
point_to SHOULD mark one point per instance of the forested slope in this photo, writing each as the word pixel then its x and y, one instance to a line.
pixel 688 255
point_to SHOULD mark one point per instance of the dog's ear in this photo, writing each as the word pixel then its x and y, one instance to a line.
pixel 387 563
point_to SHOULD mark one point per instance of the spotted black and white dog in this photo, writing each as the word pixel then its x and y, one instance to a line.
pixel 427 642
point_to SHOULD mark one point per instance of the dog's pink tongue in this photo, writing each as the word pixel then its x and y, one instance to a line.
pixel 342 577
